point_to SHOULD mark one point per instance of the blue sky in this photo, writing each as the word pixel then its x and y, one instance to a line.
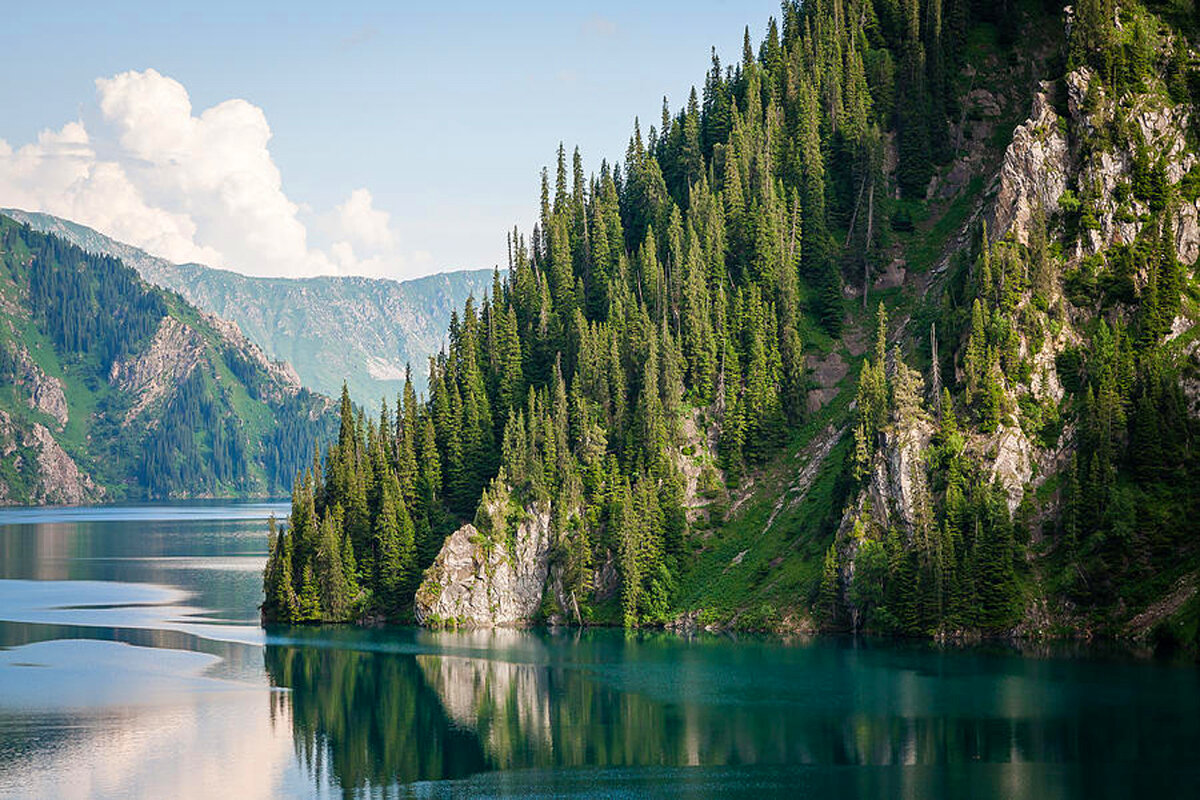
pixel 443 113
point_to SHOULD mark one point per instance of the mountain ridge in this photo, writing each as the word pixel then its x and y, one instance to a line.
pixel 358 329
pixel 114 389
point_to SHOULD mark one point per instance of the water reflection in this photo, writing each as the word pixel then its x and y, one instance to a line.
pixel 367 717
pixel 218 560
pixel 395 712
pixel 451 706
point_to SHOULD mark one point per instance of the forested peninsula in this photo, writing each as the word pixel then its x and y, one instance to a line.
pixel 890 327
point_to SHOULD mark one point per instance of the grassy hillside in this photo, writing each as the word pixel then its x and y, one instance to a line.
pixel 114 389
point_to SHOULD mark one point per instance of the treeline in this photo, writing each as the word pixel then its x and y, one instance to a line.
pixel 677 282
pixel 173 457
pixel 88 305
pixel 364 522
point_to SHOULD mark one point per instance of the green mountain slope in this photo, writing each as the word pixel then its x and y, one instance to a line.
pixel 112 389
pixel 891 328
pixel 361 331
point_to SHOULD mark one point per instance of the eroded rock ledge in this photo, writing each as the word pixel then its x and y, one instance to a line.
pixel 486 580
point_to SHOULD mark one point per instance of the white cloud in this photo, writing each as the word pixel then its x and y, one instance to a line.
pixel 363 224
pixel 192 187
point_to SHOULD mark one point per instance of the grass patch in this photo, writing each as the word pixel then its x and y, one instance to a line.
pixel 780 563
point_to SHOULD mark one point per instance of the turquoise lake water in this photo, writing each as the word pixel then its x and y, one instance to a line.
pixel 133 666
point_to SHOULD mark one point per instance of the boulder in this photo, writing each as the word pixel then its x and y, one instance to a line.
pixel 477 581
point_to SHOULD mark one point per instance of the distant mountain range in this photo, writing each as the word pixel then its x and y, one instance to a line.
pixel 113 389
pixel 330 329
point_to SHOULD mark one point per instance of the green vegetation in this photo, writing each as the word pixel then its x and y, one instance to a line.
pixel 76 319
pixel 641 371
pixel 361 530
pixel 330 329
pixel 677 280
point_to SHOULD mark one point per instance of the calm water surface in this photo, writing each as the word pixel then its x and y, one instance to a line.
pixel 132 666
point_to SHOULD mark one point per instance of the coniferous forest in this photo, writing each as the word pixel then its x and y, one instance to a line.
pixel 645 363
pixel 85 323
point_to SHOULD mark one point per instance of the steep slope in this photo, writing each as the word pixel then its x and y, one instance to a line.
pixel 685 378
pixel 111 389
pixel 1050 489
pixel 361 331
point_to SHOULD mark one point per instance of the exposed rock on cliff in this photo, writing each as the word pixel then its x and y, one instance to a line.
pixel 696 460
pixel 56 479
pixel 151 375
pixel 1012 465
pixel 487 581
pixel 45 392
pixel 1035 170
pixel 1105 173
pixel 283 376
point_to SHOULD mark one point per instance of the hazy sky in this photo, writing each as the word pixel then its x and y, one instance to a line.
pixel 390 139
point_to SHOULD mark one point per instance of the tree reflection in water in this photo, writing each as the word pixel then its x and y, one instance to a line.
pixel 368 718
pixel 430 707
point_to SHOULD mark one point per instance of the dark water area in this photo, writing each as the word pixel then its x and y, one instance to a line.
pixel 133 666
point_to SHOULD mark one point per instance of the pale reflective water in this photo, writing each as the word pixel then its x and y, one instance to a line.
pixel 133 666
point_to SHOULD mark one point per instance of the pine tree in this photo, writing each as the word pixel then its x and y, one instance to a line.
pixel 308 605
pixel 830 592
pixel 280 603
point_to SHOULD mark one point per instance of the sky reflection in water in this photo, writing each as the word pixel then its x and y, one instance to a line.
pixel 135 667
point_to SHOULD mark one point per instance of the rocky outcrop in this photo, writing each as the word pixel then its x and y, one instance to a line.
pixel 904 457
pixel 696 459
pixel 55 479
pixel 45 392
pixel 1044 383
pixel 480 580
pixel 1162 126
pixel 283 376
pixel 1187 232
pixel 1012 465
pixel 1034 174
pixel 152 374
pixel 896 494
pixel 897 482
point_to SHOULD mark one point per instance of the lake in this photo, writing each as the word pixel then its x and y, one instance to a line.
pixel 133 666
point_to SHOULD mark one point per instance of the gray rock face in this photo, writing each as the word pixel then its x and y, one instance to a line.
pixel 1013 465
pixel 1044 383
pixel 477 583
pixel 1187 232
pixel 152 374
pixel 1162 127
pixel 58 479
pixel 45 392
pixel 283 375
pixel 901 474
pixel 1034 173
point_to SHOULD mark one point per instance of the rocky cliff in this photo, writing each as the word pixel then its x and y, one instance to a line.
pixel 41 471
pixel 489 580
pixel 1109 174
